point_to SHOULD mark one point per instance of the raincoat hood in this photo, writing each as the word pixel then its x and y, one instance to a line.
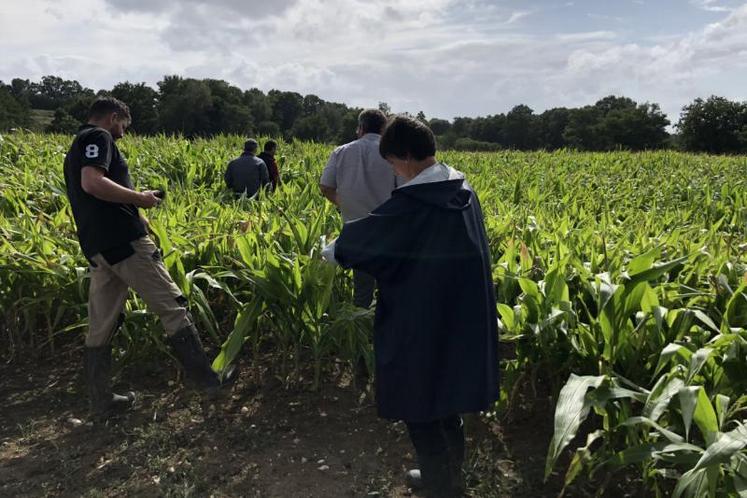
pixel 439 185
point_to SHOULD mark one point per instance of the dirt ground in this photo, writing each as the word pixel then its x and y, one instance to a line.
pixel 261 439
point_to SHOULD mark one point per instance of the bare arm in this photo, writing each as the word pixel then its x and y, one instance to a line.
pixel 330 193
pixel 96 184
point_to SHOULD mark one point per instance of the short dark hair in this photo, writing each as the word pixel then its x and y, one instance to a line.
pixel 371 121
pixel 270 145
pixel 406 137
pixel 104 106
pixel 251 145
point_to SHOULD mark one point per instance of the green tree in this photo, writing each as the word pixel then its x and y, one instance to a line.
pixel 78 107
pixel 143 103
pixel 53 92
pixel 63 123
pixel 348 126
pixel 439 126
pixel 311 127
pixel 614 103
pixel 227 113
pixel 202 107
pixel 286 108
pixel 312 105
pixel 639 127
pixel 22 91
pixel 13 113
pixel 552 125
pixel 715 125
pixel 258 105
pixel 489 129
pixel 581 132
pixel 184 106
pixel 268 129
pixel 520 131
pixel 462 126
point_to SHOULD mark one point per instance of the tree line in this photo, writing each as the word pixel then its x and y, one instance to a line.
pixel 205 107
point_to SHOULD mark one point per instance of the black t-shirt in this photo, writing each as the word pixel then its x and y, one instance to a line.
pixel 101 225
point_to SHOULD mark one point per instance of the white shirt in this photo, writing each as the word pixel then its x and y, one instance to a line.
pixel 363 180
pixel 438 172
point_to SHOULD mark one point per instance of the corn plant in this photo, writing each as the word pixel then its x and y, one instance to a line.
pixel 623 273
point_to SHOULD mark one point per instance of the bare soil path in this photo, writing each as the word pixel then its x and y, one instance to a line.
pixel 259 440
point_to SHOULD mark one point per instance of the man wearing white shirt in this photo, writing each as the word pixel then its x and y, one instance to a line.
pixel 357 180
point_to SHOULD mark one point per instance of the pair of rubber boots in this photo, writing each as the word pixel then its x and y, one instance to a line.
pixel 440 474
pixel 187 348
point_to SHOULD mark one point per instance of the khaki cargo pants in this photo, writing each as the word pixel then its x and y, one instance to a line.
pixel 144 272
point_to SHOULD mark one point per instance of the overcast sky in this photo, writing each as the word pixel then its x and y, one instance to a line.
pixel 445 57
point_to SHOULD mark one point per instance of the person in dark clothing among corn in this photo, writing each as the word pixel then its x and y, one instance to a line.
pixel 435 328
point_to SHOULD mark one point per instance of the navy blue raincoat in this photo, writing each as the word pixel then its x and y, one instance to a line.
pixel 435 328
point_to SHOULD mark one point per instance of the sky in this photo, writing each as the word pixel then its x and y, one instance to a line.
pixel 446 58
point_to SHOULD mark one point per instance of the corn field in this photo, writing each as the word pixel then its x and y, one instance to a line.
pixel 621 280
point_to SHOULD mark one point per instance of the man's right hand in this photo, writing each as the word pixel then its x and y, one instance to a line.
pixel 147 199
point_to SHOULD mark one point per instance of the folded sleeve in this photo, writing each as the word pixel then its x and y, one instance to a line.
pixel 96 149
pixel 329 175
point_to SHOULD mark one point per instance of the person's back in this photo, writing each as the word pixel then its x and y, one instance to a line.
pixel 356 175
pixel 358 180
pixel 364 179
pixel 247 173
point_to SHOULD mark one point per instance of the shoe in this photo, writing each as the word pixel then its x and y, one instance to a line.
pixel 413 479
pixel 97 362
pixel 433 477
pixel 440 474
pixel 188 350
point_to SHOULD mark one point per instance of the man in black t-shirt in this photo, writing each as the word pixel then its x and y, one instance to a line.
pixel 114 239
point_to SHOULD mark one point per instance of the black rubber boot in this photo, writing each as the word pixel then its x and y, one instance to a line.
pixel 433 477
pixel 188 350
pixel 97 363
pixel 454 432
pixel 440 452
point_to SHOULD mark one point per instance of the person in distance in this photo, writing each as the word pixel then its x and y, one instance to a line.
pixel 247 173
pixel 268 156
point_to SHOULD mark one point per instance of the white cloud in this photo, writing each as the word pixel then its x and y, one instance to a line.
pixel 710 5
pixel 587 36
pixel 672 73
pixel 218 8
pixel 445 57
pixel 604 17
pixel 515 16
